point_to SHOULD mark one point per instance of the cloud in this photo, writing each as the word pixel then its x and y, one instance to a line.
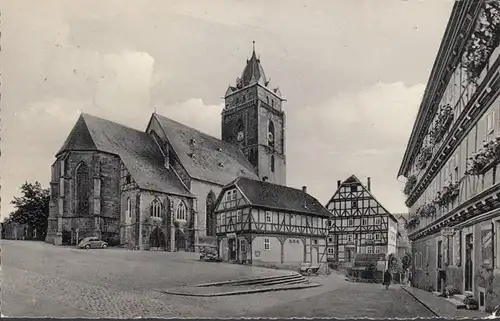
pixel 362 133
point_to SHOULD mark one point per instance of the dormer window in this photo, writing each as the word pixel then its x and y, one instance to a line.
pixel 219 149
pixel 192 141
pixel 221 165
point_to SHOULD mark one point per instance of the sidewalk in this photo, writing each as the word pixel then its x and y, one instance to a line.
pixel 441 306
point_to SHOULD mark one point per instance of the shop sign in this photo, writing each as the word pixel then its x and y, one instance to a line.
pixel 447 231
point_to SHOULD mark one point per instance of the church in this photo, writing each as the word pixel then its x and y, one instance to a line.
pixel 157 188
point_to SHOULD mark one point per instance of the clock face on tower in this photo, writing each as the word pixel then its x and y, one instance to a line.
pixel 239 130
pixel 240 136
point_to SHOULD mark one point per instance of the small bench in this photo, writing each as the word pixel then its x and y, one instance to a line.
pixel 308 269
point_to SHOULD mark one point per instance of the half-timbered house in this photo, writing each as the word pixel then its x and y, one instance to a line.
pixel 360 224
pixel 262 223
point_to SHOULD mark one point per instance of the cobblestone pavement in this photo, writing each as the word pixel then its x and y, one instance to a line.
pixel 352 300
pixel 39 279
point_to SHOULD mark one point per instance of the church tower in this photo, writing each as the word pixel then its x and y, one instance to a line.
pixel 253 118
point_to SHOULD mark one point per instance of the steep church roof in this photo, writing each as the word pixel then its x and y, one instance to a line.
pixel 138 151
pixel 280 197
pixel 203 156
pixel 354 180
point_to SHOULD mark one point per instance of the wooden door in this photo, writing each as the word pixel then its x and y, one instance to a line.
pixel 468 262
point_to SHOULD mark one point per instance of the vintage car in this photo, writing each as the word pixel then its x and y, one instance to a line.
pixel 92 243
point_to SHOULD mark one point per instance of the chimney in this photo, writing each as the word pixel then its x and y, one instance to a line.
pixel 338 184
pixel 369 184
pixel 304 189
pixel 264 179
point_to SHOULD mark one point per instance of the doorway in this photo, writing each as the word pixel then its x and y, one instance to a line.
pixel 157 239
pixel 439 265
pixel 243 251
pixel 231 243
pixel 350 255
pixel 180 240
pixel 468 261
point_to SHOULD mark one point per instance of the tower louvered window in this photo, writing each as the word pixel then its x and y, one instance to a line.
pixel 270 134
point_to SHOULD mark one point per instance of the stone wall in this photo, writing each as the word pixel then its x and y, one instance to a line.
pixel 104 199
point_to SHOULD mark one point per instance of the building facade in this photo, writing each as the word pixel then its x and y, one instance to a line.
pixel 359 224
pixel 157 188
pixel 451 161
pixel 403 242
pixel 266 224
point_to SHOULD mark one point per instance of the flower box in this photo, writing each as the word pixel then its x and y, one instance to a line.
pixel 426 210
pixel 487 157
pixel 412 222
pixel 484 40
pixel 424 156
pixel 442 123
pixel 448 194
pixel 410 184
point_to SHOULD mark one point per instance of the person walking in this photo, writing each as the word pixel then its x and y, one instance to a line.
pixel 387 279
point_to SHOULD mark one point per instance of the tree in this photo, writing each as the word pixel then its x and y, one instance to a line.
pixel 32 208
pixel 406 260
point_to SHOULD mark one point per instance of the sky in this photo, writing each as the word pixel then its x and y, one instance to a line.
pixel 353 73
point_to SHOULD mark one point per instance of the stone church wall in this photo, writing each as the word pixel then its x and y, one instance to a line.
pixel 201 190
pixel 104 197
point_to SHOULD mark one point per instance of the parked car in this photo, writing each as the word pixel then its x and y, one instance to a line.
pixel 92 242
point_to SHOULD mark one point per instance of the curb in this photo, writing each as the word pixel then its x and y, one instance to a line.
pixel 419 301
pixel 311 285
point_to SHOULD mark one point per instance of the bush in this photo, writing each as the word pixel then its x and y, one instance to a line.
pixel 451 290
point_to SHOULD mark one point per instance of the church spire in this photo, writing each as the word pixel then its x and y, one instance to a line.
pixel 253 72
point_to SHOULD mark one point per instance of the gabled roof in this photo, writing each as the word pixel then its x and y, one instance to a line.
pixel 353 180
pixel 138 151
pixel 214 160
pixel 279 197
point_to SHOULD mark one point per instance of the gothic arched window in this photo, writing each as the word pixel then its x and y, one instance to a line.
pixel 270 134
pixel 82 190
pixel 156 208
pixel 210 221
pixel 129 208
pixel 272 163
pixel 181 213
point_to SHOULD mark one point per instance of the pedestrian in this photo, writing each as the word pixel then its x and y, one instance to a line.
pixel 387 279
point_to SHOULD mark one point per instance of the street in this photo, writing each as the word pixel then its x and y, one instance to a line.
pixel 39 279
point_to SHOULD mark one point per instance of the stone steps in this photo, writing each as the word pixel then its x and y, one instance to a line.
pixel 458 303
pixel 254 281
pixel 288 280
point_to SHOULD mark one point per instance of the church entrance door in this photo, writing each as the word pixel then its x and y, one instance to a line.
pixel 157 239
pixel 180 240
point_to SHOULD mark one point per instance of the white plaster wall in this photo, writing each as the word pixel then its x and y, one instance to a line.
pixel 293 250
pixel 273 255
